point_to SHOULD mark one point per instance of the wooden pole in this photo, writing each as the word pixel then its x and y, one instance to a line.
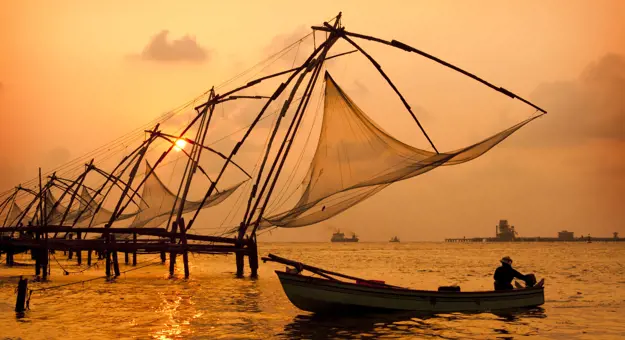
pixel 78 252
pixel 408 48
pixel 286 144
pixel 108 254
pixel 253 255
pixel 89 257
pixel 185 254
pixel 44 257
pixel 22 288
pixel 10 257
pixel 240 261
pixel 234 150
pixel 37 253
pixel 115 262
pixel 172 254
pixel 388 80
pixel 134 253
pixel 71 252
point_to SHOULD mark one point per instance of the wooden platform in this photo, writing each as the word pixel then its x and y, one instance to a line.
pixel 107 242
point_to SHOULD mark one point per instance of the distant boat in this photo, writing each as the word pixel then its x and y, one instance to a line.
pixel 394 239
pixel 340 237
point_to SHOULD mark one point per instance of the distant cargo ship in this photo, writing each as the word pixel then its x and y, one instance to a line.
pixel 340 237
pixel 394 239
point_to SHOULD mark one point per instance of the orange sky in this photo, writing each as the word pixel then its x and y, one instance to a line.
pixel 73 77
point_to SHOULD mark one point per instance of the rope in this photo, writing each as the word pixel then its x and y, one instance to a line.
pixel 31 291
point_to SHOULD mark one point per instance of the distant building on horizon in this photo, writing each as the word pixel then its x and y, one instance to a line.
pixel 566 235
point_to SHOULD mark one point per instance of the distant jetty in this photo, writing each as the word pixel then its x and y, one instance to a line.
pixel 505 232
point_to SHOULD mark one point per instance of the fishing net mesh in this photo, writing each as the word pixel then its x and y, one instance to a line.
pixel 158 201
pixel 355 159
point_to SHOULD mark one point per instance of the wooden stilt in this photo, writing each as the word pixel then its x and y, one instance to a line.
pixel 172 255
pixel 44 258
pixel 115 261
pixel 134 253
pixel 240 260
pixel 37 254
pixel 71 253
pixel 89 257
pixel 108 255
pixel 79 252
pixel 253 256
pixel 163 257
pixel 22 288
pixel 10 257
pixel 185 254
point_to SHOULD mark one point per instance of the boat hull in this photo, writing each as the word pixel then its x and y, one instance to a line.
pixel 323 296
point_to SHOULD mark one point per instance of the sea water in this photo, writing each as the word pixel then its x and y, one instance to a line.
pixel 584 295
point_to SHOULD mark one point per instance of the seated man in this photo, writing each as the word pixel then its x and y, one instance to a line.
pixel 505 274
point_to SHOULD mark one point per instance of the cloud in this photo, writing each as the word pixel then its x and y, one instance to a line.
pixel 183 49
pixel 589 107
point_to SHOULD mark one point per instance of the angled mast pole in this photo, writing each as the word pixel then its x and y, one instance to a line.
pixel 407 48
pixel 125 162
pixel 118 208
pixel 388 80
pixel 236 148
pixel 11 198
pixel 290 135
pixel 193 160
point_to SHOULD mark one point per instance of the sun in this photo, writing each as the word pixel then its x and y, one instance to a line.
pixel 180 144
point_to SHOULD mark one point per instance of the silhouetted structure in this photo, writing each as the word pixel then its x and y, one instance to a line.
pixel 504 232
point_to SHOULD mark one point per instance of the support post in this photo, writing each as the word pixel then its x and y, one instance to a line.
pixel 172 254
pixel 71 253
pixel 126 257
pixel 89 257
pixel 108 255
pixel 134 252
pixel 10 257
pixel 253 255
pixel 22 288
pixel 44 258
pixel 240 259
pixel 185 254
pixel 115 261
pixel 79 252
pixel 36 253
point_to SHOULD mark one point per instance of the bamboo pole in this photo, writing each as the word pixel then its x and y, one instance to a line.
pixel 115 260
pixel 185 254
pixel 407 48
pixel 288 138
pixel 236 148
pixel 172 254
pixel 134 253
pixel 78 252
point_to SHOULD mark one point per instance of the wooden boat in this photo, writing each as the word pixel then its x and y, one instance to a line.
pixel 328 294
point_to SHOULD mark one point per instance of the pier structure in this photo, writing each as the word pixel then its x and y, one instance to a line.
pixel 40 243
pixel 505 232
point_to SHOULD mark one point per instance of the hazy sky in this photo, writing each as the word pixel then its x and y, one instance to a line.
pixel 77 74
